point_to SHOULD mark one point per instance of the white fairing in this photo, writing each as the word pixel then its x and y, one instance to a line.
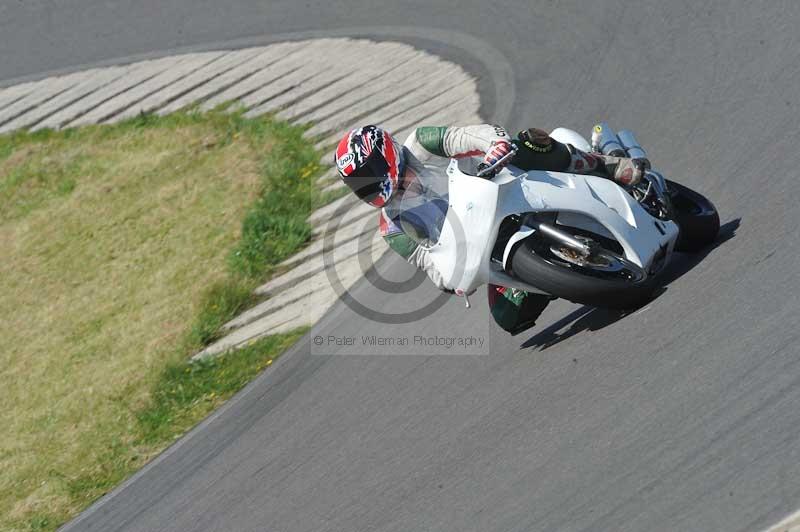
pixel 478 206
pixel 568 136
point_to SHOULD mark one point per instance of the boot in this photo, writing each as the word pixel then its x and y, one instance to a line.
pixel 623 170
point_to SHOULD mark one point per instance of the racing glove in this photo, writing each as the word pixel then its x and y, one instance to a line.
pixel 498 150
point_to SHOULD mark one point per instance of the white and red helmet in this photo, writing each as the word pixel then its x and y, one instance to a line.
pixel 369 161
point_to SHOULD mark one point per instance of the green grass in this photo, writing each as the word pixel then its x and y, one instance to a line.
pixel 186 392
pixel 220 302
pixel 125 247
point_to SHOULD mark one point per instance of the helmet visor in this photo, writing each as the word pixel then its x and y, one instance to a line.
pixel 367 180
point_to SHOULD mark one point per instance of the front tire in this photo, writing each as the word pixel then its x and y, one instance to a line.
pixel 696 217
pixel 534 263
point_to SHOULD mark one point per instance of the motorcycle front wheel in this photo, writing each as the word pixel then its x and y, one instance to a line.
pixel 604 280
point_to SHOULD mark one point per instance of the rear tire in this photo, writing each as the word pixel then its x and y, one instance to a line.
pixel 561 280
pixel 696 217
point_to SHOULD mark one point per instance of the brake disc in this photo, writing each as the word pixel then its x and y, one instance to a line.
pixel 593 261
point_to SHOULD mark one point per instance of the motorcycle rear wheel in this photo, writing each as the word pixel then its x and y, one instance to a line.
pixel 696 217
pixel 535 262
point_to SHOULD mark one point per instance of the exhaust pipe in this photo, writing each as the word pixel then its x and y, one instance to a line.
pixel 604 140
pixel 631 145
pixel 560 236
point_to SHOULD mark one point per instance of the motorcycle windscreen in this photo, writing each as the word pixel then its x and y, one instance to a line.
pixel 420 209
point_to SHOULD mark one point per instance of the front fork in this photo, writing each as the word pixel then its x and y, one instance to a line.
pixel 652 193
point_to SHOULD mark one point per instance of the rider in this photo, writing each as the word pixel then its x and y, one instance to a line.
pixel 375 166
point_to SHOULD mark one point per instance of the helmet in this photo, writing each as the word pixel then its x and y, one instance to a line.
pixel 369 161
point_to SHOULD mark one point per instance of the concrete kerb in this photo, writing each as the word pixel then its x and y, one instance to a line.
pixel 15 93
pixel 288 61
pixel 362 98
pixel 134 74
pixel 343 234
pixel 64 99
pixel 334 92
pixel 380 100
pixel 299 283
pixel 306 269
pixel 788 524
pixel 251 62
pixel 114 110
pixel 39 95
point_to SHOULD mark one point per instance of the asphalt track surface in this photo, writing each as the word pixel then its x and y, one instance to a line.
pixel 682 416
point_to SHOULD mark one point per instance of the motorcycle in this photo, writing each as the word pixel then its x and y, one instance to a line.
pixel 578 237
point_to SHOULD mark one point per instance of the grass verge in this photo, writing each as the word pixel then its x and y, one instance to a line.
pixel 125 247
